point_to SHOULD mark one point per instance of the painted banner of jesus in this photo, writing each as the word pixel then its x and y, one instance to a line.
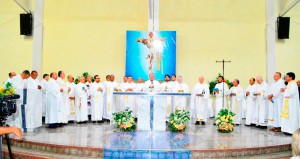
pixel 150 52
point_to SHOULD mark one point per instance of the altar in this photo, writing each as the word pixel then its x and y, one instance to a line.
pixel 152 109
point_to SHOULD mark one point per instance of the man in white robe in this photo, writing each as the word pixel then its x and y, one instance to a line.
pixel 97 91
pixel 275 103
pixel 251 103
pixel 114 83
pixel 81 95
pixel 152 85
pixel 199 103
pixel 65 110
pixel 71 85
pixel 34 103
pixel 10 76
pixel 219 92
pixel 180 102
pixel 88 84
pixel 44 93
pixel 290 111
pixel 236 99
pixel 129 100
pixel 140 86
pixel 54 101
pixel 167 86
pixel 261 118
pixel 122 85
pixel 174 81
pixel 108 99
pixel 19 83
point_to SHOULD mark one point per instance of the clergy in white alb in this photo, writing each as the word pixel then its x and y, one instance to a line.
pixel 251 95
pixel 167 87
pixel 261 118
pixel 44 93
pixel 88 84
pixel 65 110
pixel 54 101
pixel 180 102
pixel 33 109
pixel 129 100
pixel 152 85
pixel 219 92
pixel 97 91
pixel 199 103
pixel 71 85
pixel 81 95
pixel 108 99
pixel 115 84
pixel 275 97
pixel 290 110
pixel 10 76
pixel 19 83
pixel 236 99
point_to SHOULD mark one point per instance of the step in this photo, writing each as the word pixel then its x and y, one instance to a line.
pixel 23 153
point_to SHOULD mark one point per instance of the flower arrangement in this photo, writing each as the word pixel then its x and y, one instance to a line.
pixel 178 120
pixel 8 90
pixel 225 121
pixel 212 84
pixel 124 120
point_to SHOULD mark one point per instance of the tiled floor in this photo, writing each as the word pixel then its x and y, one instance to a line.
pixel 195 137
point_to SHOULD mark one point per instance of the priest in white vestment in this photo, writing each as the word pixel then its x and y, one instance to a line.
pixel 65 110
pixel 88 84
pixel 97 91
pixel 275 103
pixel 261 103
pixel 180 102
pixel 81 95
pixel 10 76
pixel 251 103
pixel 114 83
pixel 108 99
pixel 167 86
pixel 236 99
pixel 72 108
pixel 290 110
pixel 199 100
pixel 140 86
pixel 19 83
pixel 219 92
pixel 130 100
pixel 54 101
pixel 34 103
pixel 44 93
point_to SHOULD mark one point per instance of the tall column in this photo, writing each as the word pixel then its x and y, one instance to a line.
pixel 37 50
pixel 271 39
pixel 153 15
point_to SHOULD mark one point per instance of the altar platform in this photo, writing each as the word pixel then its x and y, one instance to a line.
pixel 95 140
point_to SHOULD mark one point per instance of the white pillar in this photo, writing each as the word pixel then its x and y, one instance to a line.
pixel 37 50
pixel 271 39
pixel 153 15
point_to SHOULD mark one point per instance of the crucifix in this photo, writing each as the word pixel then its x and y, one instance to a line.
pixel 223 61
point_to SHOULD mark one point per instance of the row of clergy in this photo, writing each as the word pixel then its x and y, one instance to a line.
pixel 64 101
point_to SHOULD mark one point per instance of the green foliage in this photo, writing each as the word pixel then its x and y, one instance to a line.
pixel 8 90
pixel 212 84
pixel 85 75
pixel 225 121
pixel 124 120
pixel 178 120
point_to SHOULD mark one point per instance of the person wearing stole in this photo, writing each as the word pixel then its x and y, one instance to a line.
pixel 97 91
pixel 71 85
pixel 180 102
pixel 251 103
pixel 275 97
pixel 81 95
pixel 261 103
pixel 129 100
pixel 290 111
pixel 152 85
pixel 108 99
pixel 236 98
pixel 167 86
pixel 218 92
pixel 65 109
pixel 199 103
